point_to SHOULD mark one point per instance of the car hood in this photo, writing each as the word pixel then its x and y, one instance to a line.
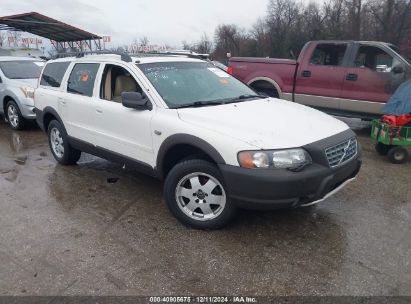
pixel 23 82
pixel 266 123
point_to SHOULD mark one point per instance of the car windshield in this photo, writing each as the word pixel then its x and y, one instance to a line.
pixel 183 84
pixel 21 69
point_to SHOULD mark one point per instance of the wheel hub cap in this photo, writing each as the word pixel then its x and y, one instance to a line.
pixel 200 196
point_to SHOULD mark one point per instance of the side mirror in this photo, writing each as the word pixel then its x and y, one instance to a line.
pixel 135 100
pixel 398 69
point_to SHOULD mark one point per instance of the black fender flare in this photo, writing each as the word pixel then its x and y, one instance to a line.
pixel 186 139
pixel 50 110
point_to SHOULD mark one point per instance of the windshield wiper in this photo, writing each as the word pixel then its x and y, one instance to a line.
pixel 246 97
pixel 221 102
pixel 197 104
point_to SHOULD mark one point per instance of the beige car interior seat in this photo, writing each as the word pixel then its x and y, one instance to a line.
pixel 108 94
pixel 123 84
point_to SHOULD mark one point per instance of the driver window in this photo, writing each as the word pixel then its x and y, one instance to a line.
pixel 115 81
pixel 373 58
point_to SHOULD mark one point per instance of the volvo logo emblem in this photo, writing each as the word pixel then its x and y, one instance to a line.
pixel 345 151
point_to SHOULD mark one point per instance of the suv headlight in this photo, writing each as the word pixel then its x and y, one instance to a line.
pixel 280 159
pixel 28 92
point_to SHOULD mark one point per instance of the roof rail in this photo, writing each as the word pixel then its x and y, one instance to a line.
pixel 195 56
pixel 124 56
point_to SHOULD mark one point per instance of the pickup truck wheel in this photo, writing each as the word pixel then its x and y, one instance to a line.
pixel 14 117
pixel 398 155
pixel 61 149
pixel 195 193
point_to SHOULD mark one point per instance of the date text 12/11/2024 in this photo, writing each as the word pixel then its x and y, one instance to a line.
pixel 203 299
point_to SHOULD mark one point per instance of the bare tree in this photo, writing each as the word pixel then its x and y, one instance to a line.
pixel 354 8
pixel 289 24
pixel 228 39
pixel 144 41
pixel 403 22
pixel 259 33
pixel 204 46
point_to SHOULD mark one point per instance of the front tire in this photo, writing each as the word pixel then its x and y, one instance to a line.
pixel 14 117
pixel 60 148
pixel 195 193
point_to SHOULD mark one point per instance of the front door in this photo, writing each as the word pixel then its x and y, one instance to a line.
pixel 122 130
pixel 374 76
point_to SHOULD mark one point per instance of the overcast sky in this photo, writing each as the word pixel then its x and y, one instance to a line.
pixel 162 21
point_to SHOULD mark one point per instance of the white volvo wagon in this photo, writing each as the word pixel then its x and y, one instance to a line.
pixel 217 144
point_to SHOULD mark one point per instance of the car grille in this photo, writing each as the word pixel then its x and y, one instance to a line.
pixel 342 153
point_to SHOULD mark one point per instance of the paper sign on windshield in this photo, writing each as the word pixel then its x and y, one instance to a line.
pixel 219 72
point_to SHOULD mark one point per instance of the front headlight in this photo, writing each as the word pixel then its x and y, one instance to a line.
pixel 280 159
pixel 28 92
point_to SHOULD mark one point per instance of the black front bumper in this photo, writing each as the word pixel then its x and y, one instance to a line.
pixel 281 188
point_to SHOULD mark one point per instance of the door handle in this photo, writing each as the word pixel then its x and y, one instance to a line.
pixel 99 111
pixel 352 77
pixel 306 73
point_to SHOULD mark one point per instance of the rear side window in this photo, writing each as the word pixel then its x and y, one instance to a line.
pixel 21 69
pixel 82 78
pixel 328 54
pixel 53 74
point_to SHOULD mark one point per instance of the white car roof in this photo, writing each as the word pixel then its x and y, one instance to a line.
pixel 171 58
pixel 135 59
pixel 18 58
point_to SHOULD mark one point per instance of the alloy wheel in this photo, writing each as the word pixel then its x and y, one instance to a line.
pixel 13 116
pixel 57 143
pixel 200 196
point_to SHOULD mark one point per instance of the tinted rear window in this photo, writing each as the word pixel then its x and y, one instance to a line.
pixel 82 78
pixel 21 69
pixel 53 74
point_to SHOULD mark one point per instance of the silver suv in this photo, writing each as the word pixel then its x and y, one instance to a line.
pixel 18 78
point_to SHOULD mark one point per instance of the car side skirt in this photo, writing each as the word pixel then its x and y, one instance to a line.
pixel 360 106
pixel 113 156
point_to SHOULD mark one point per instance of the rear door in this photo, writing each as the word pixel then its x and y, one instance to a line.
pixel 78 103
pixel 49 92
pixel 321 73
pixel 371 79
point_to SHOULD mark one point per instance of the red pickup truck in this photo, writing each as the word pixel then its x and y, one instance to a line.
pixel 348 78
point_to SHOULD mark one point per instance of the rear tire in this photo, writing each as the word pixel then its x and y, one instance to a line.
pixel 265 88
pixel 59 146
pixel 196 194
pixel 398 155
pixel 14 117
